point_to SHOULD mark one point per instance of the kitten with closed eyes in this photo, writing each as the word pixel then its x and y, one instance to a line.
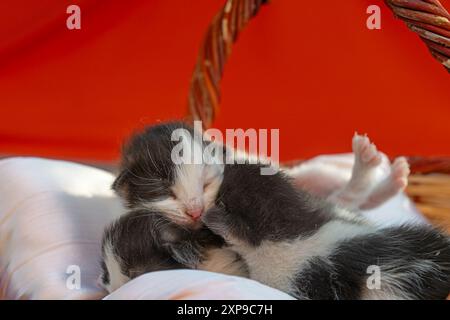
pixel 150 180
pixel 165 202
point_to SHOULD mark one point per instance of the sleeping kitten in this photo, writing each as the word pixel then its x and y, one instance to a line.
pixel 150 180
pixel 168 200
pixel 142 241
pixel 312 249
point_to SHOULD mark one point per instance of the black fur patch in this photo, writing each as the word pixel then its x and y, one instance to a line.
pixel 254 207
pixel 324 280
pixel 105 278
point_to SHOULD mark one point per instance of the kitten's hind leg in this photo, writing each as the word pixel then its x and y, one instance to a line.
pixel 356 191
pixel 390 186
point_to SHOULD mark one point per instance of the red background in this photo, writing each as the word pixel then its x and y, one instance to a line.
pixel 311 69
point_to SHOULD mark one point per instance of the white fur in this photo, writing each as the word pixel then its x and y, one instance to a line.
pixel 278 263
pixel 223 260
pixel 349 216
pixel 116 277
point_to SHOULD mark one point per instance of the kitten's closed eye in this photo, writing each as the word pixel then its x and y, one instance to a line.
pixel 206 185
pixel 171 194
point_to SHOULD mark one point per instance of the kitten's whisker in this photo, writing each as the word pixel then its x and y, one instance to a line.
pixel 140 177
pixel 151 159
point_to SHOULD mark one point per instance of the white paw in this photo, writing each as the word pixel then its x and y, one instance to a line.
pixel 392 185
pixel 399 173
pixel 366 153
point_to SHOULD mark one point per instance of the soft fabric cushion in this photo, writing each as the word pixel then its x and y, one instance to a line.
pixel 52 214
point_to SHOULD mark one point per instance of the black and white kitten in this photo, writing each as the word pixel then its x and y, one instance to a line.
pixel 312 249
pixel 142 241
pixel 149 179
pixel 162 229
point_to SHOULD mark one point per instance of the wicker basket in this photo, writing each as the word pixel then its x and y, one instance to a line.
pixel 429 183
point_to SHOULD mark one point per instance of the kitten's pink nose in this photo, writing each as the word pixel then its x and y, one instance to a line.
pixel 195 213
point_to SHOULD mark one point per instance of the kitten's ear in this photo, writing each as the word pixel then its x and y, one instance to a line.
pixel 185 253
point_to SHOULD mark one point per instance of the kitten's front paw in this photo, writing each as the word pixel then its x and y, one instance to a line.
pixel 400 173
pixel 186 253
pixel 216 220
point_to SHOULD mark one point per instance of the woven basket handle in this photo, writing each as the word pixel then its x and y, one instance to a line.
pixel 204 93
pixel 431 21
